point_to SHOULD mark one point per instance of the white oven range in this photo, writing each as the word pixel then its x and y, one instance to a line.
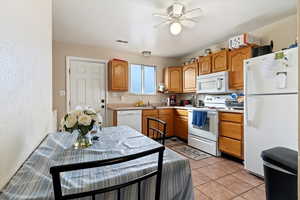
pixel 205 138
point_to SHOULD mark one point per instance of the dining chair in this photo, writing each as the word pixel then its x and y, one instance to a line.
pixel 157 133
pixel 56 170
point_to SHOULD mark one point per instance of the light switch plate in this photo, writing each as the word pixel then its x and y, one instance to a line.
pixel 62 93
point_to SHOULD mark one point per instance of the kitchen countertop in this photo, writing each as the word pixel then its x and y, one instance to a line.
pixel 123 108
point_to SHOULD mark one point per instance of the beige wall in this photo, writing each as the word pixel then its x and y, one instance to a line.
pixel 61 50
pixel 25 80
pixel 282 32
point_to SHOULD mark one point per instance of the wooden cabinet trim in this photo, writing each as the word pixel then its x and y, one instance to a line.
pixel 231 117
pixel 150 112
pixel 166 111
pixel 231 130
pixel 181 112
pixel 231 147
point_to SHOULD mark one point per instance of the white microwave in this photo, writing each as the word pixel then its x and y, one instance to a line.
pixel 215 83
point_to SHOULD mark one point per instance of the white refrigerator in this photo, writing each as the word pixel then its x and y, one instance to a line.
pixel 271 105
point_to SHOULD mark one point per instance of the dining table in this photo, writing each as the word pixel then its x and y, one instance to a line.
pixel 33 180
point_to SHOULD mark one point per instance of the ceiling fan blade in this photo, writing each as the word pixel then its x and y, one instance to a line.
pixel 189 23
pixel 163 16
pixel 190 19
pixel 196 12
pixel 162 23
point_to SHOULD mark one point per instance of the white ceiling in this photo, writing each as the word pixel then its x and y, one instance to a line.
pixel 102 22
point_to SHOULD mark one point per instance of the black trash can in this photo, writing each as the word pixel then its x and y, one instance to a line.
pixel 281 172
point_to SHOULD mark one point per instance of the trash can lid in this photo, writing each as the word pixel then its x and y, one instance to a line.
pixel 282 157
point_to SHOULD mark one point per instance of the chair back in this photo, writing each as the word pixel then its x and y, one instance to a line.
pixel 159 133
pixel 56 170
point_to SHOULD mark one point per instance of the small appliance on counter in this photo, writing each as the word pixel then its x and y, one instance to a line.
pixel 235 101
pixel 171 100
pixel 185 102
pixel 200 103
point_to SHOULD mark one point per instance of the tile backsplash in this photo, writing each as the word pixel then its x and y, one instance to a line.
pixel 127 98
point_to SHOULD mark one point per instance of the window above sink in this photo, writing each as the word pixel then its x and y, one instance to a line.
pixel 142 79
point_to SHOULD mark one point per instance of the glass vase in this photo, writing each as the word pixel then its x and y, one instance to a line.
pixel 83 141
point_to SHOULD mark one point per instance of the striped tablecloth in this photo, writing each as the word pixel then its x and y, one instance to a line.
pixel 33 181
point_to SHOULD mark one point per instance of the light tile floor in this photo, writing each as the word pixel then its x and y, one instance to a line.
pixel 223 179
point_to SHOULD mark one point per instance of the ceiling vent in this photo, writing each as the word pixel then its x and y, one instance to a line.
pixel 122 41
pixel 146 53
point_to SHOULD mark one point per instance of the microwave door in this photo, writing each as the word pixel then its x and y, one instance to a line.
pixel 205 86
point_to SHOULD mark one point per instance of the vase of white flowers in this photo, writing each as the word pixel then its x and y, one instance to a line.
pixel 83 122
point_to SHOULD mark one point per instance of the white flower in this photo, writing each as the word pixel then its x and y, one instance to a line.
pixel 71 120
pixel 85 120
pixel 95 118
pixel 77 113
pixel 62 123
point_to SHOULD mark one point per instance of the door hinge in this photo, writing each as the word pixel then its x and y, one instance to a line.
pixel 69 70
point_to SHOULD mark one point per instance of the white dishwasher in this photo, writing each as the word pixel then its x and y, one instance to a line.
pixel 131 118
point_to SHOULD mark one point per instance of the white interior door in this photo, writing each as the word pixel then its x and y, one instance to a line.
pixel 87 85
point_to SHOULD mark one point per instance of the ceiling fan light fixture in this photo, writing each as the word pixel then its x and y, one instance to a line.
pixel 175 28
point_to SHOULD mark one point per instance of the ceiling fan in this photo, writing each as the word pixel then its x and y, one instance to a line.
pixel 177 16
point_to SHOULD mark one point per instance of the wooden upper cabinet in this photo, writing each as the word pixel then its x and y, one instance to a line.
pixel 117 75
pixel 204 66
pixel 173 79
pixel 219 61
pixel 236 67
pixel 189 74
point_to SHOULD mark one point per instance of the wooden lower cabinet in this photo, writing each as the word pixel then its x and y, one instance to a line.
pixel 177 121
pixel 181 124
pixel 145 115
pixel 231 134
pixel 231 146
pixel 231 130
pixel 166 115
